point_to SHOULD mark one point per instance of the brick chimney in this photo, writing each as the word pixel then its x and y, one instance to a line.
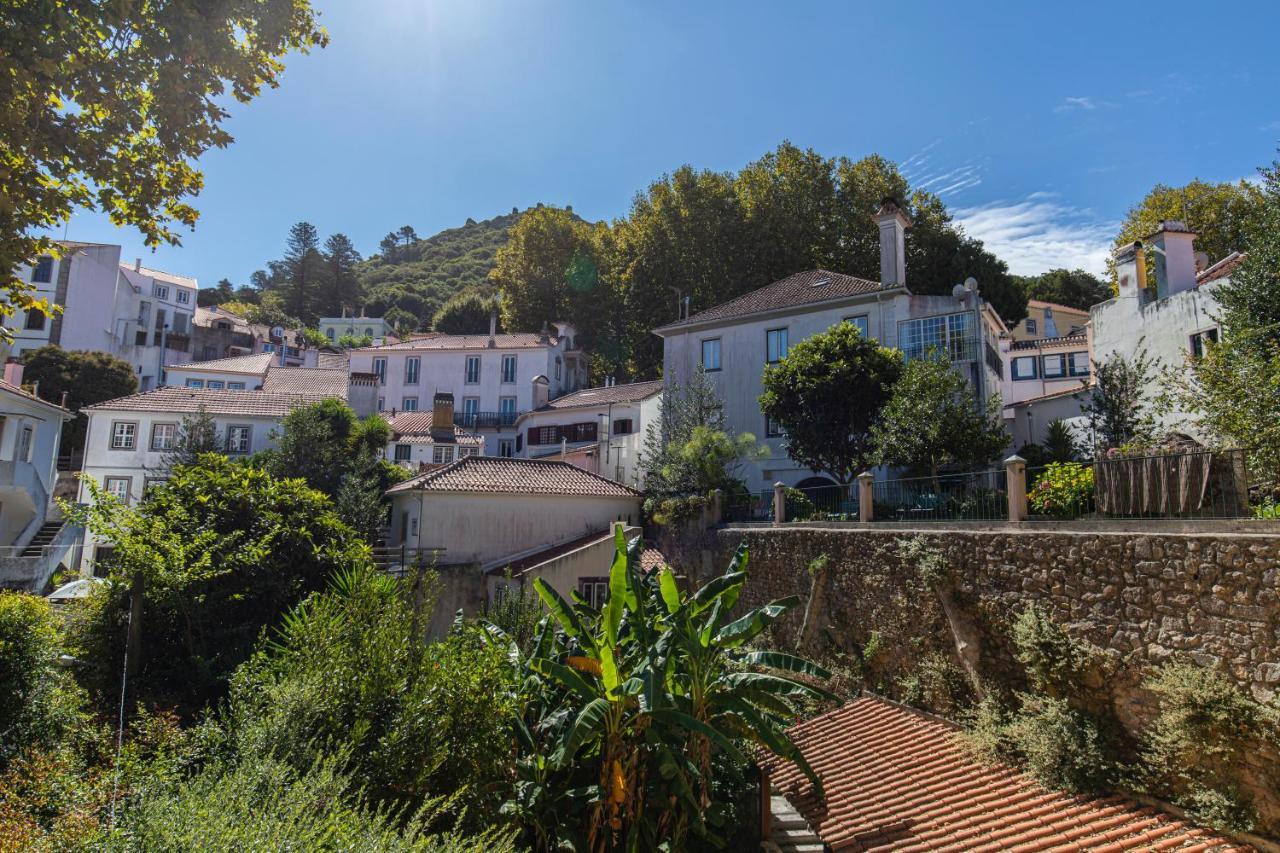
pixel 442 412
pixel 893 224
pixel 13 372
pixel 1175 258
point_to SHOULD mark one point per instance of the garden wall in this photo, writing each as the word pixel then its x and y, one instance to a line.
pixel 1142 598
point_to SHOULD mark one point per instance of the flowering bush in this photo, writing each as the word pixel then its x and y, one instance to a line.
pixel 1065 488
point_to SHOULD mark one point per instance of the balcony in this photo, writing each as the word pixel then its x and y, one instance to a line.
pixel 486 420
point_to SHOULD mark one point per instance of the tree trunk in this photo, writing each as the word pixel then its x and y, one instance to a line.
pixel 133 643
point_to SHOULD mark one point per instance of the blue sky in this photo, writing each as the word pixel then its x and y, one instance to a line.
pixel 1038 123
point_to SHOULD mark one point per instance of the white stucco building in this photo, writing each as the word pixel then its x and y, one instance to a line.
pixel 336 328
pixel 33 539
pixel 734 341
pixel 599 429
pixel 422 439
pixel 136 313
pixel 493 378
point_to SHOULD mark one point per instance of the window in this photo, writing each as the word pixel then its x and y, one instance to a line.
pixel 544 435
pixel 184 297
pixel 1053 366
pixel 35 320
pixel 269 347
pixel 1024 367
pixel 235 386
pixel 508 369
pixel 473 370
pixel 711 354
pixel 215 384
pixel 775 345
pixel 507 408
pixel 1078 364
pixel 195 383
pixel 160 291
pixel 594 591
pixel 861 323
pixel 1031 326
pixel 124 435
pixel 238 438
pixel 506 447
pixel 42 272
pixel 403 452
pixel 163 436
pixel 771 428
pixel 380 368
pixel 411 366
pixel 622 426
pixel 470 409
pixel 559 367
pixel 368 332
pixel 328 333
pixel 118 487
pixel 24 444
pixel 382 404
pixel 949 335
pixel 468 451
pixel 409 404
pixel 442 454
pixel 1198 339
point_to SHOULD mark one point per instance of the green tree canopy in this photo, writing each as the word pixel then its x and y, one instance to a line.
pixel 1073 288
pixel 933 421
pixel 94 116
pixel 1120 404
pixel 85 377
pixel 466 314
pixel 827 394
pixel 223 550
pixel 1221 214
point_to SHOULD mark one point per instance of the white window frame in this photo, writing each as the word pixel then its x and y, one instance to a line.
pixel 864 327
pixel 192 382
pixel 1014 373
pixel 402 453
pixel 509 369
pixel 380 369
pixel 109 488
pixel 1073 369
pixel 409 404
pixel 1060 372
pixel 235 386
pixel 782 339
pixel 471 370
pixel 215 385
pixel 716 349
pixel 506 447
pixel 184 296
pixel 124 435
pixel 160 291
pixel 173 435
pixel 232 430
pixel 442 454
pixel 412 370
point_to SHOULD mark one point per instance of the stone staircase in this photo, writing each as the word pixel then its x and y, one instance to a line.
pixel 790 832
pixel 44 536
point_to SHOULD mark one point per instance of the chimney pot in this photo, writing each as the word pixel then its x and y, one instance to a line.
pixel 442 412
pixel 137 264
pixel 1175 258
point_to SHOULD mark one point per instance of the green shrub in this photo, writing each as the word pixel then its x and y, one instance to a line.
pixel 1064 489
pixel 1269 508
pixel 930 562
pixel 39 701
pixel 1052 659
pixel 797 505
pixel 1062 747
pixel 936 685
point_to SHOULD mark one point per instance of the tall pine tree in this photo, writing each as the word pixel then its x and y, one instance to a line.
pixel 342 287
pixel 302 272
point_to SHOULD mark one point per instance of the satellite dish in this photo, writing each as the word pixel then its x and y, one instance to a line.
pixel 277 332
pixel 971 283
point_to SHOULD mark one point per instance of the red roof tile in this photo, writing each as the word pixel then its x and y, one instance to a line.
pixel 630 393
pixel 321 381
pixel 802 288
pixel 517 340
pixel 505 475
pixel 897 779
pixel 419 424
pixel 1221 269
pixel 215 402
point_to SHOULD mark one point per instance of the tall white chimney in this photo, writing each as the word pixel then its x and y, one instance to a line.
pixel 1175 258
pixel 13 372
pixel 893 224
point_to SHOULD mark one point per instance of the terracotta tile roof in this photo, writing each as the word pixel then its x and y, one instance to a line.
pixel 629 393
pixel 332 360
pixel 650 558
pixel 215 402
pixel 896 779
pixel 27 395
pixel 803 288
pixel 518 340
pixel 319 381
pixel 1056 306
pixel 1063 341
pixel 158 275
pixel 235 364
pixel 1221 269
pixel 418 424
pixel 1066 392
pixel 503 475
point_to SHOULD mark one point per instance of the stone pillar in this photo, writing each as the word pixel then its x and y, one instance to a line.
pixel 866 497
pixel 779 503
pixel 1015 468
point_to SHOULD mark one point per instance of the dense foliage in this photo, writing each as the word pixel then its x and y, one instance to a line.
pixel 1073 288
pixel 85 377
pixel 39 702
pixel 221 550
pixel 467 314
pixel 626 712
pixel 1063 489
pixel 1119 406
pixel 94 117
pixel 826 396
pixel 933 420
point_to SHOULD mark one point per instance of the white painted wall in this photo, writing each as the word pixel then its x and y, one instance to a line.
pixel 592 560
pixel 488 528
pixel 743 353
pixel 619 455
pixel 26 481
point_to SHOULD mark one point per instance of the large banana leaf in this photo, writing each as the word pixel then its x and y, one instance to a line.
pixel 786 662
pixel 742 630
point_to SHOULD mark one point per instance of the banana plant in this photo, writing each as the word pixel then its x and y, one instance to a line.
pixel 623 709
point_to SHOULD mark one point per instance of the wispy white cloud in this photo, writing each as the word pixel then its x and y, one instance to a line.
pixel 1039 233
pixel 951 181
pixel 1070 104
